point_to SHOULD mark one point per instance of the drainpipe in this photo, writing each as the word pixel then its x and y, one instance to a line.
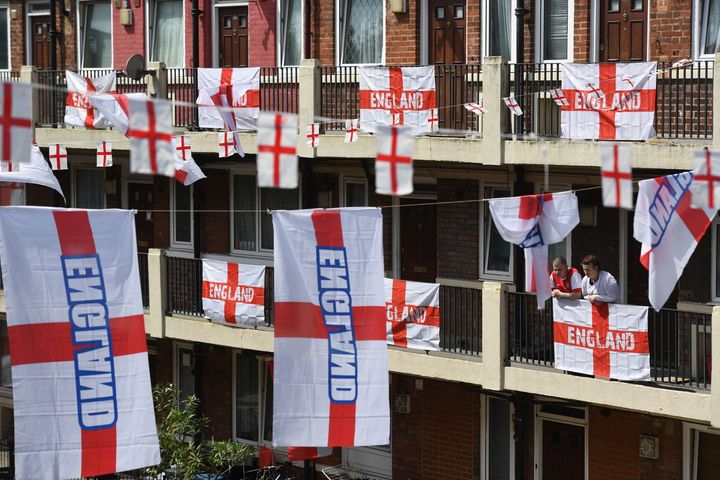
pixel 53 56
pixel 520 13
pixel 195 11
pixel 308 23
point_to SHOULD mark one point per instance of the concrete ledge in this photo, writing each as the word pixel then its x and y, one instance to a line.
pixel 202 330
pixel 438 365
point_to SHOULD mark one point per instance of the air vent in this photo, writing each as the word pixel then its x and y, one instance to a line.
pixel 649 447
pixel 402 403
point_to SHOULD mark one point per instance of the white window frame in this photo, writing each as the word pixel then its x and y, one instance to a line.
pixel 492 274
pixel 540 32
pixel 174 243
pixel 341 6
pixel 215 20
pixel 176 367
pixel 262 391
pixel 691 435
pixel 73 182
pixel 486 30
pixel 485 437
pixel 540 417
pixel 700 10
pixel 5 5
pixel 281 28
pixel 151 6
pixel 344 181
pixel 79 11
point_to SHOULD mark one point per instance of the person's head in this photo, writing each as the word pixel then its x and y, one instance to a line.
pixel 591 266
pixel 560 267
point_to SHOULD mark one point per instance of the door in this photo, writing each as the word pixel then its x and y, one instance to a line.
pixel 40 41
pixel 140 197
pixel 418 242
pixel 233 41
pixel 563 451
pixel 623 30
pixel 447 32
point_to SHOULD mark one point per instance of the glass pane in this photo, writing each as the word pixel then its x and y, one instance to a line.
pixel 499 441
pixel 440 12
pixel 708 456
pixel 169 39
pixel 712 26
pixel 186 372
pixel 293 32
pixel 183 214
pixel 227 22
pixel 244 222
pixel 614 6
pixel 267 433
pixel 556 29
pixel 557 250
pixel 5 373
pixel 242 21
pixel 459 11
pixel 497 250
pixel 4 40
pixel 274 199
pixel 637 5
pixel 97 46
pixel 246 397
pixel 90 188
pixel 500 28
pixel 363 31
pixel 355 195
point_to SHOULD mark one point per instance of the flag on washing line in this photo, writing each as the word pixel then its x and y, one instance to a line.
pixel 669 228
pixel 115 108
pixel 331 374
pixel 239 89
pixel 393 160
pixel 81 384
pixel 232 293
pixel 352 130
pixel 152 145
pixel 312 135
pixel 413 314
pixel 559 97
pixel 79 111
pixel 16 127
pixel 187 172
pixel 277 161
pixel 609 101
pixel 513 105
pixel 433 121
pixel 475 108
pixel 533 222
pixel 705 186
pixel 183 147
pixel 36 171
pixel 58 157
pixel 606 340
pixel 616 173
pixel 397 96
pixel 104 154
pixel 222 99
pixel 226 144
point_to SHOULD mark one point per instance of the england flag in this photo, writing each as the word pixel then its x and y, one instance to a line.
pixel 240 88
pixel 616 172
pixel 152 145
pixel 413 314
pixel 232 293
pixel 277 161
pixel 79 111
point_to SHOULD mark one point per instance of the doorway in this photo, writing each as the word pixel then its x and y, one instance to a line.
pixel 560 442
pixel 623 30
pixel 140 197
pixel 446 35
pixel 40 41
pixel 418 240
pixel 233 37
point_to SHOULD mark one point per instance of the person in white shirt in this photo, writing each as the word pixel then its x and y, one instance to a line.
pixel 598 286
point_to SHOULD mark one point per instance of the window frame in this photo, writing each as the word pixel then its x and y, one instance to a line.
pixel 81 16
pixel 485 437
pixel 176 364
pixel 262 361
pixel 74 183
pixel 691 432
pixel 493 275
pixel 714 294
pixel 341 6
pixel 346 180
pixel 486 30
pixel 150 28
pixel 540 33
pixel 281 28
pixel 176 244
pixel 6 6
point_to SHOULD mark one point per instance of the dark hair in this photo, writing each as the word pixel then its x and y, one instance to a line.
pixel 591 260
pixel 560 261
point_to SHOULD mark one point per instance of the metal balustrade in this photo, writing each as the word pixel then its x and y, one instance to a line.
pixel 461 320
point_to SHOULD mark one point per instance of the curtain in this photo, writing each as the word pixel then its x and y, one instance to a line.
pixel 244 222
pixel 4 39
pixel 500 28
pixel 90 188
pixel 169 41
pixel 183 205
pixel 292 32
pixel 246 396
pixel 555 29
pixel 97 36
pixel 363 31
pixel 712 26
pixel 274 199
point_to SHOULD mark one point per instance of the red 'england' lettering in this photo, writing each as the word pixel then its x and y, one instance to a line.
pixel 612 340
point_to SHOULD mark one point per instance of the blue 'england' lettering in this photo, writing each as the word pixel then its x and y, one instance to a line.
pixel 336 307
pixel 89 320
pixel 665 202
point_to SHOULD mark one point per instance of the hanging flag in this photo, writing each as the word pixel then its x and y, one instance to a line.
pixel 233 294
pixel 559 97
pixel 413 314
pixel 114 107
pixel 609 101
pixel 104 154
pixel 299 454
pixel 241 89
pixel 16 125
pixel 331 374
pixel 682 63
pixel 513 105
pixel 151 140
pixel 393 161
pixel 187 172
pixel 533 222
pixel 277 160
pixel 616 172
pixel 312 135
pixel 36 171
pixel 475 108
pixel 669 228
pixel 606 340
pixel 433 121
pixel 182 147
pixel 79 112
pixel 226 145
pixel 396 96
pixel 705 186
pixel 81 385
pixel 221 97
pixel 58 157
pixel 351 130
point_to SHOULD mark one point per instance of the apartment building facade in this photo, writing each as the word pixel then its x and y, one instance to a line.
pixel 490 405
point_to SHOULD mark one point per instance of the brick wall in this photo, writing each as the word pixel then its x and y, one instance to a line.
pixel 128 40
pixel 216 389
pixel 670 29
pixel 458 229
pixel 214 194
pixel 323 31
pixel 262 25
pixel 581 32
pixel 17 31
pixel 402 44
pixel 161 219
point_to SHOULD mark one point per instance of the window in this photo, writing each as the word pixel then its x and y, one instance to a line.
pixel 498 448
pixel 182 215
pixel 497 253
pixel 4 38
pixel 167 41
pixel 362 31
pixel 252 229
pixel 553 28
pixel 89 188
pixel 704 454
pixel 500 28
pixel 715 252
pixel 291 28
pixel 709 17
pixel 355 193
pixel 95 35
pixel 184 370
pixel 5 372
pixel 253 397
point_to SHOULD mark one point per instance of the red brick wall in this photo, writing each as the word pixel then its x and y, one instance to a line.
pixel 204 33
pixel 161 217
pixel 474 31
pixel 128 40
pixel 402 40
pixel 458 229
pixel 17 32
pixel 213 193
pixel 323 31
pixel 670 29
pixel 216 389
pixel 581 32
pixel 261 33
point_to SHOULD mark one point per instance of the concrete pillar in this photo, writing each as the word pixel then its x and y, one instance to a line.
pixel 157 288
pixel 308 101
pixel 716 102
pixel 715 385
pixel 494 333
pixel 496 122
pixel 29 74
pixel 157 82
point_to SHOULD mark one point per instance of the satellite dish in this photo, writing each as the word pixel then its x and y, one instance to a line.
pixel 135 67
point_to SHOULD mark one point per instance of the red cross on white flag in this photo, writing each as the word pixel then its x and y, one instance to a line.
pixel 277 160
pixel 79 112
pixel 393 162
pixel 475 108
pixel 351 130
pixel 232 293
pixel 312 135
pixel 513 105
pixel 559 97
pixel 151 137
pixel 104 154
pixel 595 92
pixel 433 120
pixel 226 145
pixel 15 125
pixel 182 147
pixel 705 186
pixel 58 157
pixel 616 172
pixel 412 314
pixel 682 63
pixel 187 171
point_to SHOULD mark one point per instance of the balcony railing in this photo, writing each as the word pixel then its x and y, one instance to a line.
pixel 680 350
pixel 461 320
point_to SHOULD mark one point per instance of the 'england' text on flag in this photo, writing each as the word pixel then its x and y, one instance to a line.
pixel 413 314
pixel 232 293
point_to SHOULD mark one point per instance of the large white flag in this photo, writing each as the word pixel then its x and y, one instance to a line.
pixel 413 314
pixel 233 294
pixel 81 383
pixel 241 89
pixel 79 112
pixel 115 107
pixel 331 372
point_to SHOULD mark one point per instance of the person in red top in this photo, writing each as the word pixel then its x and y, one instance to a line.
pixel 565 280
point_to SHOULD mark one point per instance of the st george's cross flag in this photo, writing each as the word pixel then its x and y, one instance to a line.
pixel 396 96
pixel 16 127
pixel 277 161
pixel 81 384
pixel 241 89
pixel 298 454
pixel 513 105
pixel 226 144
pixel 58 157
pixel 36 171
pixel 393 161
pixel 624 111
pixel 475 108
pixel 413 314
pixel 312 135
pixel 705 186
pixel 79 112
pixel 232 293
pixel 152 148
pixel 352 130
pixel 533 222
pixel 187 172
pixel 115 108
pixel 331 372
pixel 104 154
pixel 221 97
pixel 183 147
pixel 669 228
pixel 605 340
pixel 616 173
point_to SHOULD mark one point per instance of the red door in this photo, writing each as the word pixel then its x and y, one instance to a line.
pixel 563 451
pixel 233 41
pixel 418 242
pixel 40 41
pixel 623 30
pixel 140 197
pixel 447 32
